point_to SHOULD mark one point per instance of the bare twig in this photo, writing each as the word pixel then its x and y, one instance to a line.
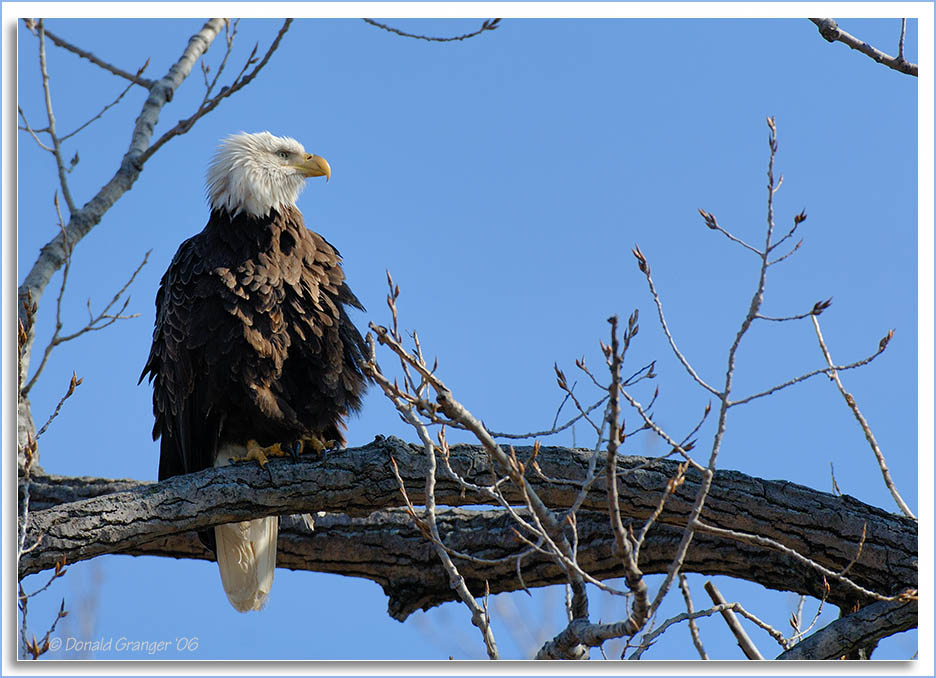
pixel 561 382
pixel 671 487
pixel 37 648
pixel 804 377
pixel 712 223
pixel 861 543
pixel 644 267
pixel 744 641
pixel 649 638
pixel 74 383
pixel 446 410
pixel 788 254
pixel 581 634
pixel 32 132
pixel 693 627
pixel 797 220
pixel 652 425
pixel 900 43
pixel 796 620
pixel 555 429
pixel 134 79
pixel 29 453
pixel 853 405
pixel 828 29
pixel 56 145
pixel 758 540
pixel 230 32
pixel 627 549
pixel 835 487
pixel 488 25
pixel 108 106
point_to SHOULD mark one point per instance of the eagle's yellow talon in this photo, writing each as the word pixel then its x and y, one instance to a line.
pixel 261 454
pixel 316 443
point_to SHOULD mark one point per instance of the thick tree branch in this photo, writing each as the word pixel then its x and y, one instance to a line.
pixel 829 30
pixel 864 627
pixel 81 519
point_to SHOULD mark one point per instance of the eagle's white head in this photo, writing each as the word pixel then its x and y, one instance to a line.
pixel 253 173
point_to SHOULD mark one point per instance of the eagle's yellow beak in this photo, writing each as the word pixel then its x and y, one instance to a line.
pixel 315 166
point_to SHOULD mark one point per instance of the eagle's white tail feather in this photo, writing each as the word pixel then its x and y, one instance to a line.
pixel 247 559
pixel 246 553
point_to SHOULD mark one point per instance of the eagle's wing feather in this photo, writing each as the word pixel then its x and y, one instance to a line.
pixel 325 346
pixel 187 318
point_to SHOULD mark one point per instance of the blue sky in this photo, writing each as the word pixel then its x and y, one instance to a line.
pixel 503 181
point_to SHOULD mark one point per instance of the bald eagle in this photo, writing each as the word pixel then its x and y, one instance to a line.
pixel 253 351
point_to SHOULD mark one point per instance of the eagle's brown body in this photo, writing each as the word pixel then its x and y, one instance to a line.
pixel 252 340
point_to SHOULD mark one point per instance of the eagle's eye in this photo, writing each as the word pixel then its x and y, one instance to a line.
pixel 282 154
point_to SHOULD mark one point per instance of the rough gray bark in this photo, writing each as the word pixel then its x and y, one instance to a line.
pixel 387 549
pixel 83 518
pixel 848 634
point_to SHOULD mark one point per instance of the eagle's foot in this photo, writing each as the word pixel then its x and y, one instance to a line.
pixel 313 443
pixel 261 454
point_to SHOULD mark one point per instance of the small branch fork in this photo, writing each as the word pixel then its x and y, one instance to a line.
pixel 488 25
pixel 829 29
